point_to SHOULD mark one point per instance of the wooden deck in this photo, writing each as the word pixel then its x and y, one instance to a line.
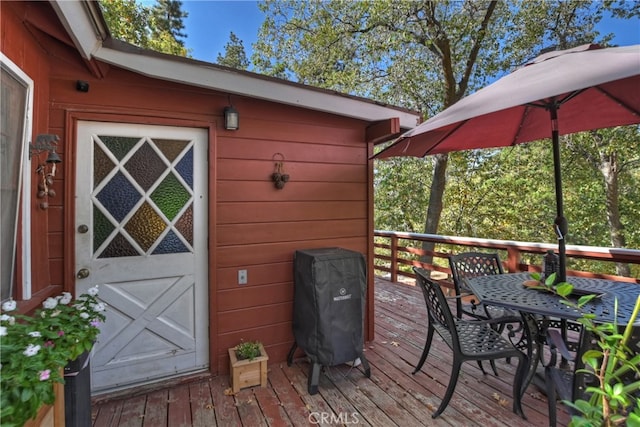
pixel 391 397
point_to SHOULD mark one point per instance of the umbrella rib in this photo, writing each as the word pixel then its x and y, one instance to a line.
pixel 619 101
pixel 444 137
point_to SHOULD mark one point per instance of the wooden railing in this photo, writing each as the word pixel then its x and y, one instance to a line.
pixel 396 253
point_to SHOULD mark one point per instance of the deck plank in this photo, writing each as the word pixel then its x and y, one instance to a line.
pixel 291 401
pixel 107 415
pixel 202 409
pixel 225 405
pixel 273 410
pixel 155 413
pixel 391 397
pixel 132 414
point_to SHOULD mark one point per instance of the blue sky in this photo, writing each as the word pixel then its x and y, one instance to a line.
pixel 210 22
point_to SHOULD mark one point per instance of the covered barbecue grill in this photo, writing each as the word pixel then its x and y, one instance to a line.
pixel 328 309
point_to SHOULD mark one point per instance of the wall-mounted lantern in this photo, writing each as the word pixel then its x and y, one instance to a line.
pixel 231 118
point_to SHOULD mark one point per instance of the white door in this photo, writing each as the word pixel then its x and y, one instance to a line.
pixel 141 235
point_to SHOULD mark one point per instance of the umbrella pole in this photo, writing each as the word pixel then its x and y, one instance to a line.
pixel 561 226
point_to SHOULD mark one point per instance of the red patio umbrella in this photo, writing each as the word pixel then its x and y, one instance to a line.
pixel 557 93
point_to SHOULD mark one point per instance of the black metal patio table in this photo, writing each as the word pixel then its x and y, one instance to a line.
pixel 537 307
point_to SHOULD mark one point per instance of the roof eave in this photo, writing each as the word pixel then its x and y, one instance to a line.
pixel 85 24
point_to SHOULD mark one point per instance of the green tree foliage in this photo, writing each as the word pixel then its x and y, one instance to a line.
pixel 426 55
pixel 234 54
pixel 167 17
pixel 139 25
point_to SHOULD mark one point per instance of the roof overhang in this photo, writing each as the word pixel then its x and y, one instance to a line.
pixel 88 30
pixel 85 24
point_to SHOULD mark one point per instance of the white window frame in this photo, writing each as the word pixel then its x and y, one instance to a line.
pixel 25 196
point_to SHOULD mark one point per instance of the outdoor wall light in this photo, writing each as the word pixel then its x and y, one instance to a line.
pixel 231 119
pixel 47 169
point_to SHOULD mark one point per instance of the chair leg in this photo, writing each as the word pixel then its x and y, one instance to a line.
pixel 518 392
pixel 493 366
pixel 425 351
pixel 455 371
pixel 551 399
pixel 479 362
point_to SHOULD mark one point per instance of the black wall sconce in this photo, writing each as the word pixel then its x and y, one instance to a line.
pixel 231 119
pixel 45 143
pixel 278 177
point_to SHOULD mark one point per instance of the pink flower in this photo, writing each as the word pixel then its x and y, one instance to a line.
pixel 44 375
pixel 49 344
pixel 60 333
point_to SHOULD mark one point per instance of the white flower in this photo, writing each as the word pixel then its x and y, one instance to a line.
pixel 6 318
pixel 3 331
pixel 93 291
pixel 50 303
pixel 65 298
pixel 31 350
pixel 98 307
pixel 34 334
pixel 84 315
pixel 9 305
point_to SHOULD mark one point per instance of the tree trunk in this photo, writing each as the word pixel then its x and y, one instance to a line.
pixel 609 168
pixel 434 209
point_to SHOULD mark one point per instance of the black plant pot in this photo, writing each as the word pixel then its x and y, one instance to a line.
pixel 77 392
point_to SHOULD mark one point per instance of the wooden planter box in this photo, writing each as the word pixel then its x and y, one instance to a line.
pixel 51 415
pixel 247 373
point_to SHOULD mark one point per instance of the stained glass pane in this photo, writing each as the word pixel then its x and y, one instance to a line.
pixel 170 196
pixel 171 148
pixel 102 165
pixel 185 225
pixel 102 228
pixel 119 145
pixel 119 196
pixel 185 167
pixel 171 244
pixel 145 226
pixel 145 166
pixel 119 247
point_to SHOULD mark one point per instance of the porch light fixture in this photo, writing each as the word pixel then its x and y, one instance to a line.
pixel 47 170
pixel 231 118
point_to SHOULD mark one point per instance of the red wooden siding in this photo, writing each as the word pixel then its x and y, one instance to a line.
pixel 253 226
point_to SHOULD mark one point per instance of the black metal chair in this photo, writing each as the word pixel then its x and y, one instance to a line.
pixel 469 340
pixel 467 265
pixel 569 382
pixel 473 264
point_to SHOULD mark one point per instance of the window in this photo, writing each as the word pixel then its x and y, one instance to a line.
pixel 15 128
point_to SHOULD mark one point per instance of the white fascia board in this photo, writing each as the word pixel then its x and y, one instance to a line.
pixel 87 34
pixel 200 75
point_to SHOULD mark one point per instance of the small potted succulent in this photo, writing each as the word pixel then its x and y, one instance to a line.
pixel 247 365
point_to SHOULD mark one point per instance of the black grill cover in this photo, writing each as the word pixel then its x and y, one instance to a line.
pixel 329 296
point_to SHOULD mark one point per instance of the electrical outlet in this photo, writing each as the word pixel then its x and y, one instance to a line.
pixel 242 277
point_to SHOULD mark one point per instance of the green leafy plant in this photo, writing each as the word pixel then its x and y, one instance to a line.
pixel 34 350
pixel 613 400
pixel 248 350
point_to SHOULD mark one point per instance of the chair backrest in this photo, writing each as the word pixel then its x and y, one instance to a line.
pixel 440 316
pixel 473 264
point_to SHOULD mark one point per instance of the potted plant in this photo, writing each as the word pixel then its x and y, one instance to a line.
pixel 35 349
pixel 247 365
pixel 613 399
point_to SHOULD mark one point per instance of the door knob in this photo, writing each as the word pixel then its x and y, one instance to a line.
pixel 82 229
pixel 83 273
